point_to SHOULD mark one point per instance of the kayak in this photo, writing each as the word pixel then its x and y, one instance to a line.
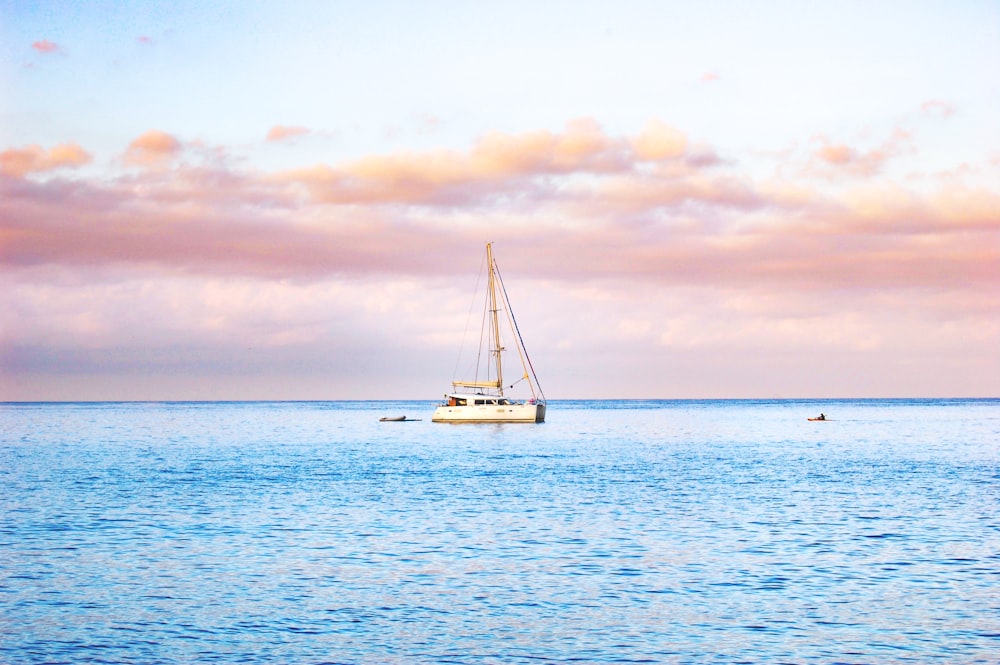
pixel 818 419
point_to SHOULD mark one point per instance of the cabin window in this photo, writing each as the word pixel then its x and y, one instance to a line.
pixel 460 402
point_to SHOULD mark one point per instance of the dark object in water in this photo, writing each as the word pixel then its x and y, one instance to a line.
pixel 397 419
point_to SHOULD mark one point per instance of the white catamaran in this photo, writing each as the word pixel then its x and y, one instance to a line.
pixel 482 399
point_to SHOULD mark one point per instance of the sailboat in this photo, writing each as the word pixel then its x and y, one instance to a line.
pixel 481 398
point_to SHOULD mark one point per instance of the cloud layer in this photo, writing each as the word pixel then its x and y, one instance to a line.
pixel 653 241
pixel 650 206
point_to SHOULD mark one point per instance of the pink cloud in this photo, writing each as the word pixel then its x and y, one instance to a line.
pixel 45 46
pixel 143 39
pixel 19 162
pixel 837 154
pixel 495 165
pixel 938 107
pixel 853 161
pixel 282 132
pixel 582 147
pixel 659 141
pixel 709 77
pixel 154 148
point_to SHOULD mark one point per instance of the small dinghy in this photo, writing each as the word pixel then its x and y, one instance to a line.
pixel 397 419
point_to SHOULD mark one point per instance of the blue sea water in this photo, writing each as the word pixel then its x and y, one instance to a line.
pixel 616 532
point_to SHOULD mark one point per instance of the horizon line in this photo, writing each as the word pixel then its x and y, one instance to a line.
pixel 564 399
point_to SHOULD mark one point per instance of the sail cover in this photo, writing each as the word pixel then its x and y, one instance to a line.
pixel 477 384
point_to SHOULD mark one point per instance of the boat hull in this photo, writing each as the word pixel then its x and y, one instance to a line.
pixel 490 413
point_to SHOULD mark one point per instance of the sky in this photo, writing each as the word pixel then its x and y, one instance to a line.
pixel 290 200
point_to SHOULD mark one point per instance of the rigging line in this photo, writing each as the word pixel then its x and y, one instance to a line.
pixel 468 319
pixel 485 330
pixel 479 352
pixel 519 343
pixel 522 349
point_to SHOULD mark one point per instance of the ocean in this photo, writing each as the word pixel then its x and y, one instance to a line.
pixel 616 532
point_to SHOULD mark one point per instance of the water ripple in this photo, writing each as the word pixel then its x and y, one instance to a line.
pixel 666 532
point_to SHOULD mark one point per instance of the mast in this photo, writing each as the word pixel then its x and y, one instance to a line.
pixel 491 341
pixel 497 349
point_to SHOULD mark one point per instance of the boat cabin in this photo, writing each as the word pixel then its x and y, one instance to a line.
pixel 458 399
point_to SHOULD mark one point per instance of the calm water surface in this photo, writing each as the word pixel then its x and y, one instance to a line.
pixel 670 532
